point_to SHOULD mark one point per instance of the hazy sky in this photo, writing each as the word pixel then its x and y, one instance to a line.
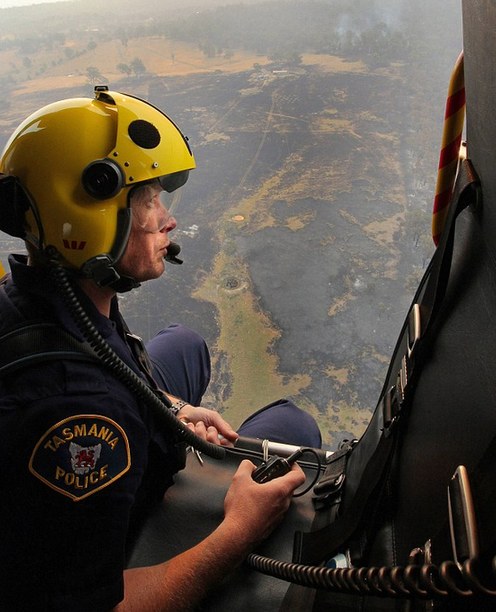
pixel 8 3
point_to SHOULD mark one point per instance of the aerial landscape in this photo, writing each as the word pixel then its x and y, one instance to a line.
pixel 305 229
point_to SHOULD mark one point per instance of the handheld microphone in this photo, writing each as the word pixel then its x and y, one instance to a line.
pixel 173 251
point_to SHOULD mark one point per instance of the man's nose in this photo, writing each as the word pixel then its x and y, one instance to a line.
pixel 170 224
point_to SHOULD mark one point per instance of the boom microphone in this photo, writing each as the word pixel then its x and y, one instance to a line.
pixel 173 251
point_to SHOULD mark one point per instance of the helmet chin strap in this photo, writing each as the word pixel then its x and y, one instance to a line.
pixel 124 284
pixel 99 269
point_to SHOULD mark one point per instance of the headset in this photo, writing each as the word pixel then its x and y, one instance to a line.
pixel 14 203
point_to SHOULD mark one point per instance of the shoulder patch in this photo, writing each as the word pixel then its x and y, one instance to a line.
pixel 81 455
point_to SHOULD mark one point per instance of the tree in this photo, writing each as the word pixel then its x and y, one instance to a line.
pixel 95 76
pixel 125 69
pixel 138 67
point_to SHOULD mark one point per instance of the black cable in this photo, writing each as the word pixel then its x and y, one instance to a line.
pixel 160 404
pixel 426 581
pixel 304 450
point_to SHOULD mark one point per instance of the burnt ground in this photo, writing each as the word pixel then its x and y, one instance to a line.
pixel 337 284
pixel 332 248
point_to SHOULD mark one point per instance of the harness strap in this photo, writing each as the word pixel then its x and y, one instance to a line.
pixel 36 342
pixel 327 492
pixel 372 457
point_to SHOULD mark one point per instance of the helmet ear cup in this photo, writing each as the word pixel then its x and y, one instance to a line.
pixel 14 203
pixel 103 179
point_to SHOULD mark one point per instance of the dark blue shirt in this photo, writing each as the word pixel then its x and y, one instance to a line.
pixel 79 458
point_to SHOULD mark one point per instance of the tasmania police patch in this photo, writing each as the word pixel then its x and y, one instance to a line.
pixel 81 455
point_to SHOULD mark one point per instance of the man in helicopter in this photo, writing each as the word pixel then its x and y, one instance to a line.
pixel 83 182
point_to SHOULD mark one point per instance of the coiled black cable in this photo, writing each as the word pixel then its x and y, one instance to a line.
pixel 160 404
pixel 426 581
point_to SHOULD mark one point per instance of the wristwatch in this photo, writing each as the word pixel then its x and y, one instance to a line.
pixel 177 405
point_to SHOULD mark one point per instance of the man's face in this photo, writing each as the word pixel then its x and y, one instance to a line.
pixel 143 258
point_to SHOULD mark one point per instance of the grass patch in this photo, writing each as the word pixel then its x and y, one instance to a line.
pixel 243 354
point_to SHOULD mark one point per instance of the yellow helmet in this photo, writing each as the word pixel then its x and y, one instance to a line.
pixel 67 171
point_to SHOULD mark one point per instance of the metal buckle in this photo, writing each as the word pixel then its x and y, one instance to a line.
pixel 403 376
pixel 414 329
pixel 395 396
pixel 462 518
pixel 329 493
pixel 391 406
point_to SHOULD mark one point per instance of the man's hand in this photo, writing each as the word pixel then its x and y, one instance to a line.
pixel 253 510
pixel 208 424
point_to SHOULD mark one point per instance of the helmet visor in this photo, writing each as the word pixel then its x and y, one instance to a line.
pixel 171 182
pixel 151 207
